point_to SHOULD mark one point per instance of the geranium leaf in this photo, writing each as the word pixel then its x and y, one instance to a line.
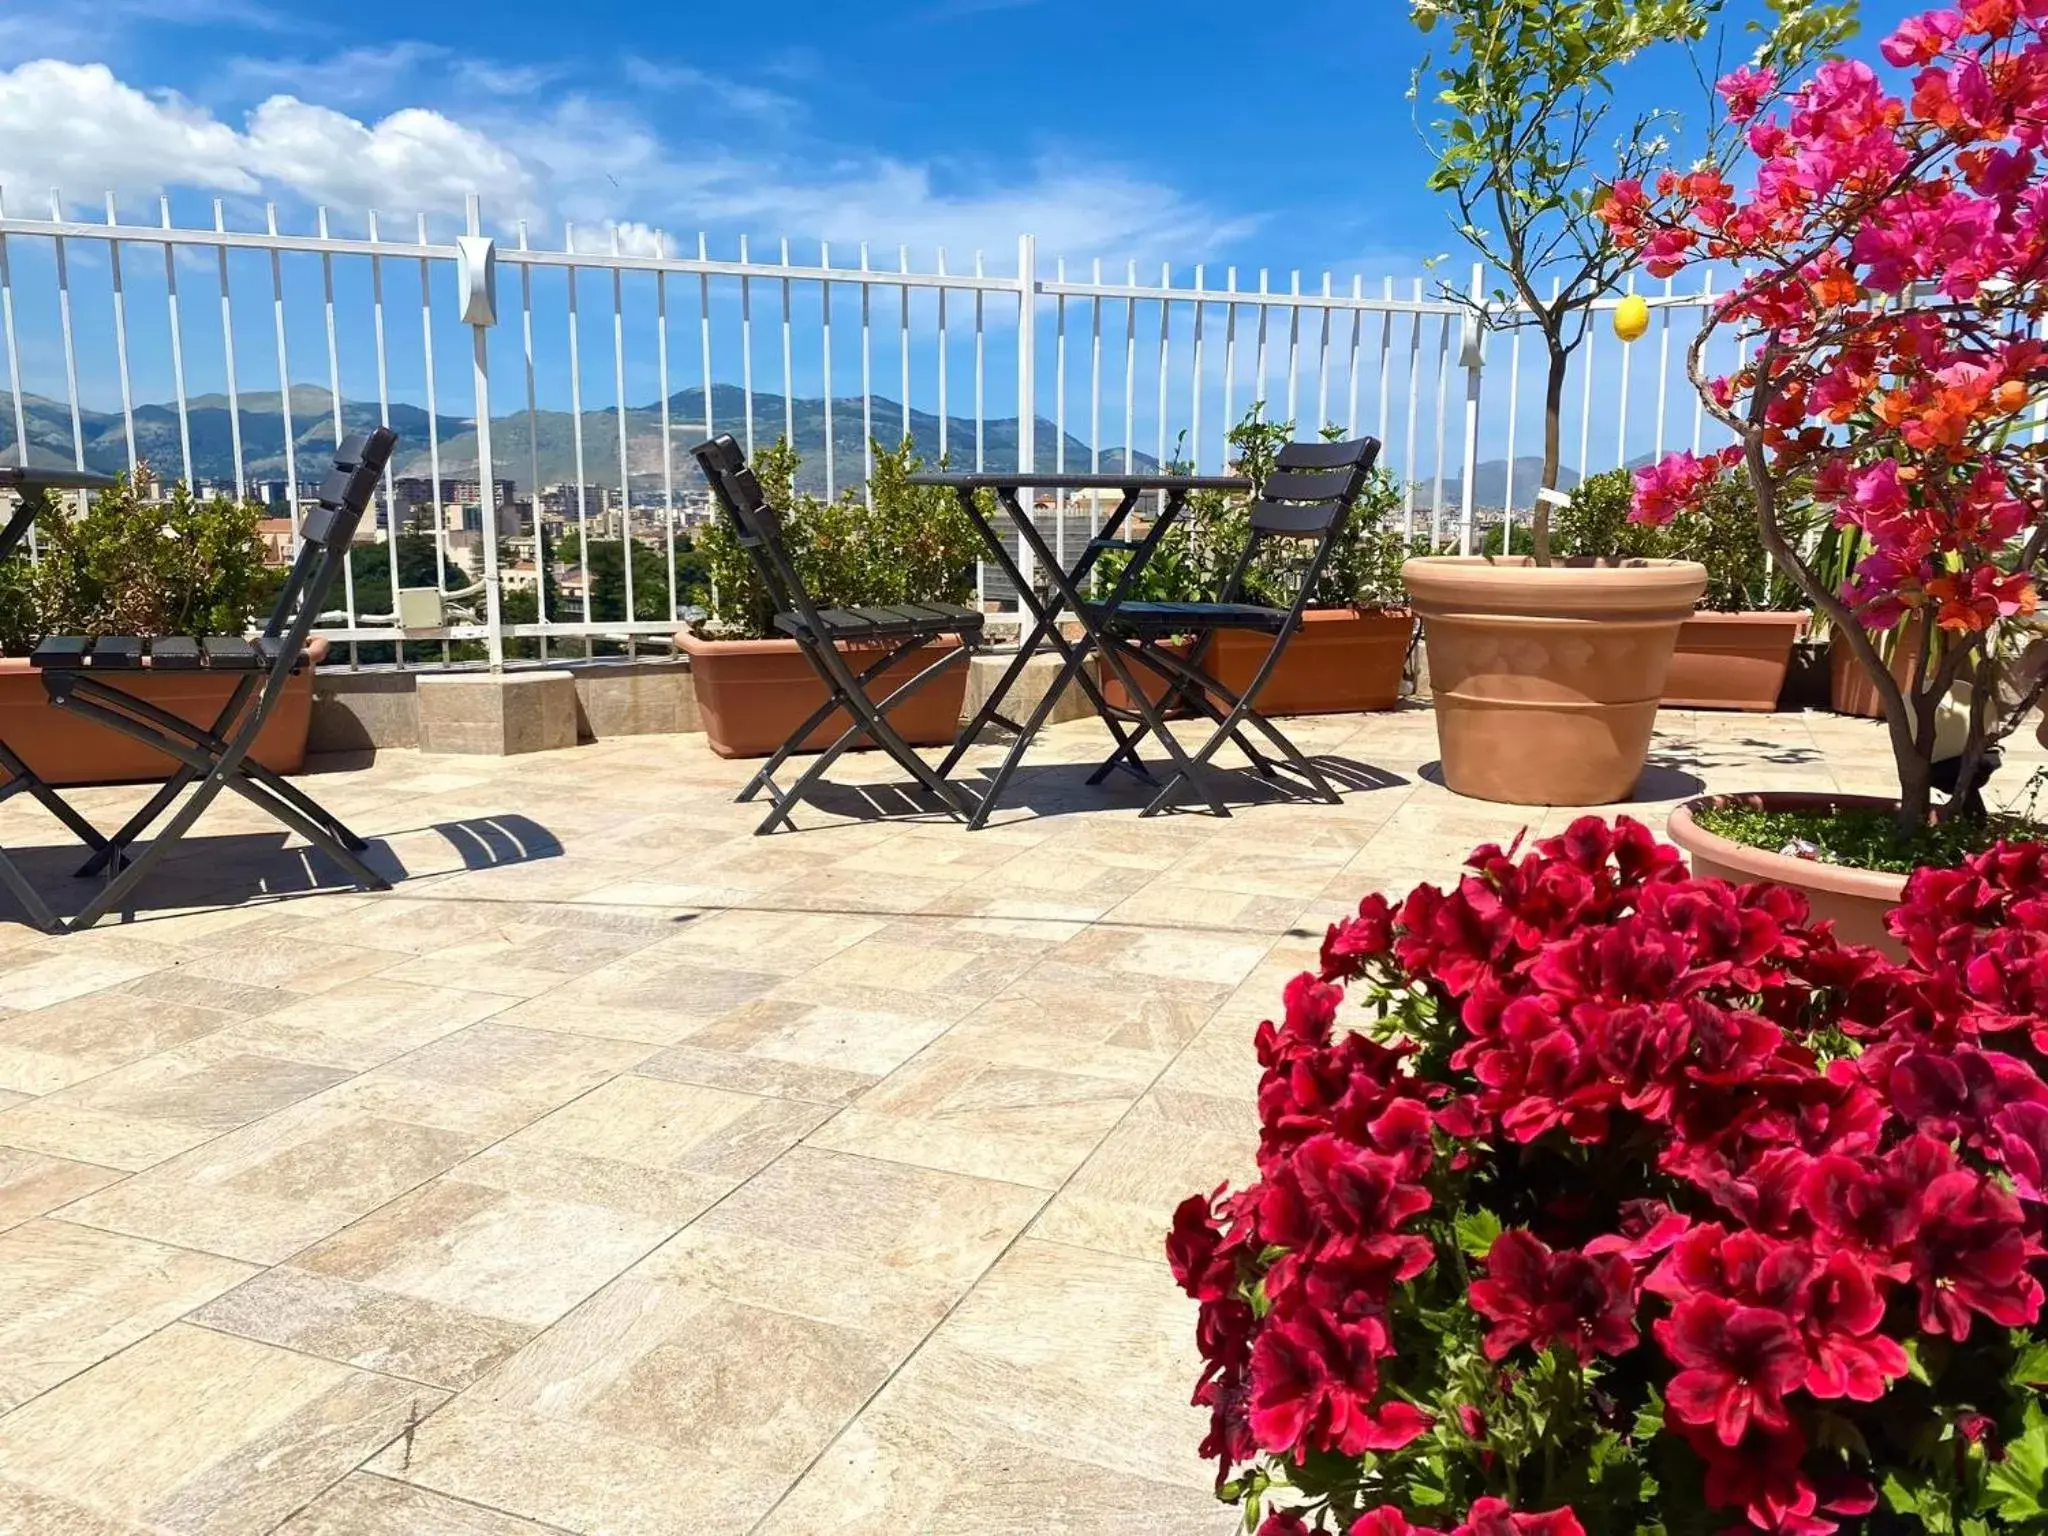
pixel 2016 1483
pixel 1477 1230
pixel 2030 1369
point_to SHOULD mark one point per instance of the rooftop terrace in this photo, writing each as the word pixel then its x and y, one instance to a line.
pixel 622 1172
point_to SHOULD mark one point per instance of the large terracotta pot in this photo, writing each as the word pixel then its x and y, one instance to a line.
pixel 1732 660
pixel 1850 690
pixel 1546 680
pixel 65 748
pixel 1340 661
pixel 1855 900
pixel 752 693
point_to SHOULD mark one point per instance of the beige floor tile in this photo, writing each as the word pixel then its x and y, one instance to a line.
pixel 869 1033
pixel 32 1184
pixel 61 977
pixel 1025 1124
pixel 66 1043
pixel 193 1431
pixel 610 1419
pixel 747 1073
pixel 645 997
pixel 141 1114
pixel 1171 1145
pixel 70 1296
pixel 849 1241
pixel 892 1472
pixel 363 1504
pixel 264 1192
pixel 365 1023
pixel 1085 1355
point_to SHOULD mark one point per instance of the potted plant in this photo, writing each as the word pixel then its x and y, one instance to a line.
pixel 1735 650
pixel 1893 289
pixel 1351 651
pixel 1595 1200
pixel 1546 678
pixel 136 565
pixel 898 544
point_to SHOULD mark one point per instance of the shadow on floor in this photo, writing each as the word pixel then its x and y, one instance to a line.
pixel 248 867
pixel 1681 752
pixel 1062 789
pixel 1664 778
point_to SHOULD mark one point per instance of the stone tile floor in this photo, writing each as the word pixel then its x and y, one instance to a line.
pixel 622 1172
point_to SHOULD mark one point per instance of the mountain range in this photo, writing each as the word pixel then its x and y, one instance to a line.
pixel 548 449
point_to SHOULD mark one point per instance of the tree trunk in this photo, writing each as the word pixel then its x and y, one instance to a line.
pixel 1553 411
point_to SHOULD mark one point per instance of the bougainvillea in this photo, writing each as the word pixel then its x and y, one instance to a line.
pixel 1595 1198
pixel 1892 247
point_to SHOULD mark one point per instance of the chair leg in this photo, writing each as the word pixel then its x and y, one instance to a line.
pixel 1155 723
pixel 116 846
pixel 17 884
pixel 869 718
pixel 835 699
pixel 307 806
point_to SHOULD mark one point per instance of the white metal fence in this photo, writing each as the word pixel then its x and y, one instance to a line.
pixel 203 328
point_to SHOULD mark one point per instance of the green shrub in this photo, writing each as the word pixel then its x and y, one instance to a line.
pixel 900 544
pixel 129 566
pixel 1196 555
pixel 1722 534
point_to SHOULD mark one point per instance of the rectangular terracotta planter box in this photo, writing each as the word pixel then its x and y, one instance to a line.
pixel 752 693
pixel 66 748
pixel 1733 660
pixel 1850 690
pixel 1339 662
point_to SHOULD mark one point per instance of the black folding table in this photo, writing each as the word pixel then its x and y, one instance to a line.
pixel 1065 598
pixel 29 483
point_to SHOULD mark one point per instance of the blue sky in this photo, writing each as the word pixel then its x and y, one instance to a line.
pixel 1138 131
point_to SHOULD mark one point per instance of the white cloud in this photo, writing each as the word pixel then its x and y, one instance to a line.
pixel 597 164
pixel 111 137
pixel 412 159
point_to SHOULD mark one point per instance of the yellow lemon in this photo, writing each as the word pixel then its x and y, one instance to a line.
pixel 1631 317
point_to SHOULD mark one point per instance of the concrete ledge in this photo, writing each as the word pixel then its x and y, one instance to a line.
pixel 470 711
pixel 634 698
pixel 497 714
pixel 986 670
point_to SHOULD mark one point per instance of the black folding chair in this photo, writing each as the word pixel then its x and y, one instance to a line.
pixel 1308 496
pixel 819 632
pixel 80 675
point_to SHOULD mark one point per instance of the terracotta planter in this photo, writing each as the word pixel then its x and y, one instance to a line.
pixel 1547 680
pixel 1850 690
pixel 65 748
pixel 1855 900
pixel 1732 660
pixel 1339 662
pixel 1150 683
pixel 752 693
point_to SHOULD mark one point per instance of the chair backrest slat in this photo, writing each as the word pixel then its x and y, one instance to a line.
pixel 1306 485
pixel 756 524
pixel 1312 488
pixel 327 532
pixel 1322 455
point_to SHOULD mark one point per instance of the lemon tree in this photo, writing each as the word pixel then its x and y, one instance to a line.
pixel 1522 90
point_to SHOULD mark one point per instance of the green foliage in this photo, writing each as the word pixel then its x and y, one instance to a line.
pixel 1523 89
pixel 1196 555
pixel 1722 533
pixel 130 566
pixel 1868 839
pixel 901 543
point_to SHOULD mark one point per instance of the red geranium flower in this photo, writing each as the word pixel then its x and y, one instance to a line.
pixel 1584 1303
pixel 1735 1365
pixel 1971 1256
